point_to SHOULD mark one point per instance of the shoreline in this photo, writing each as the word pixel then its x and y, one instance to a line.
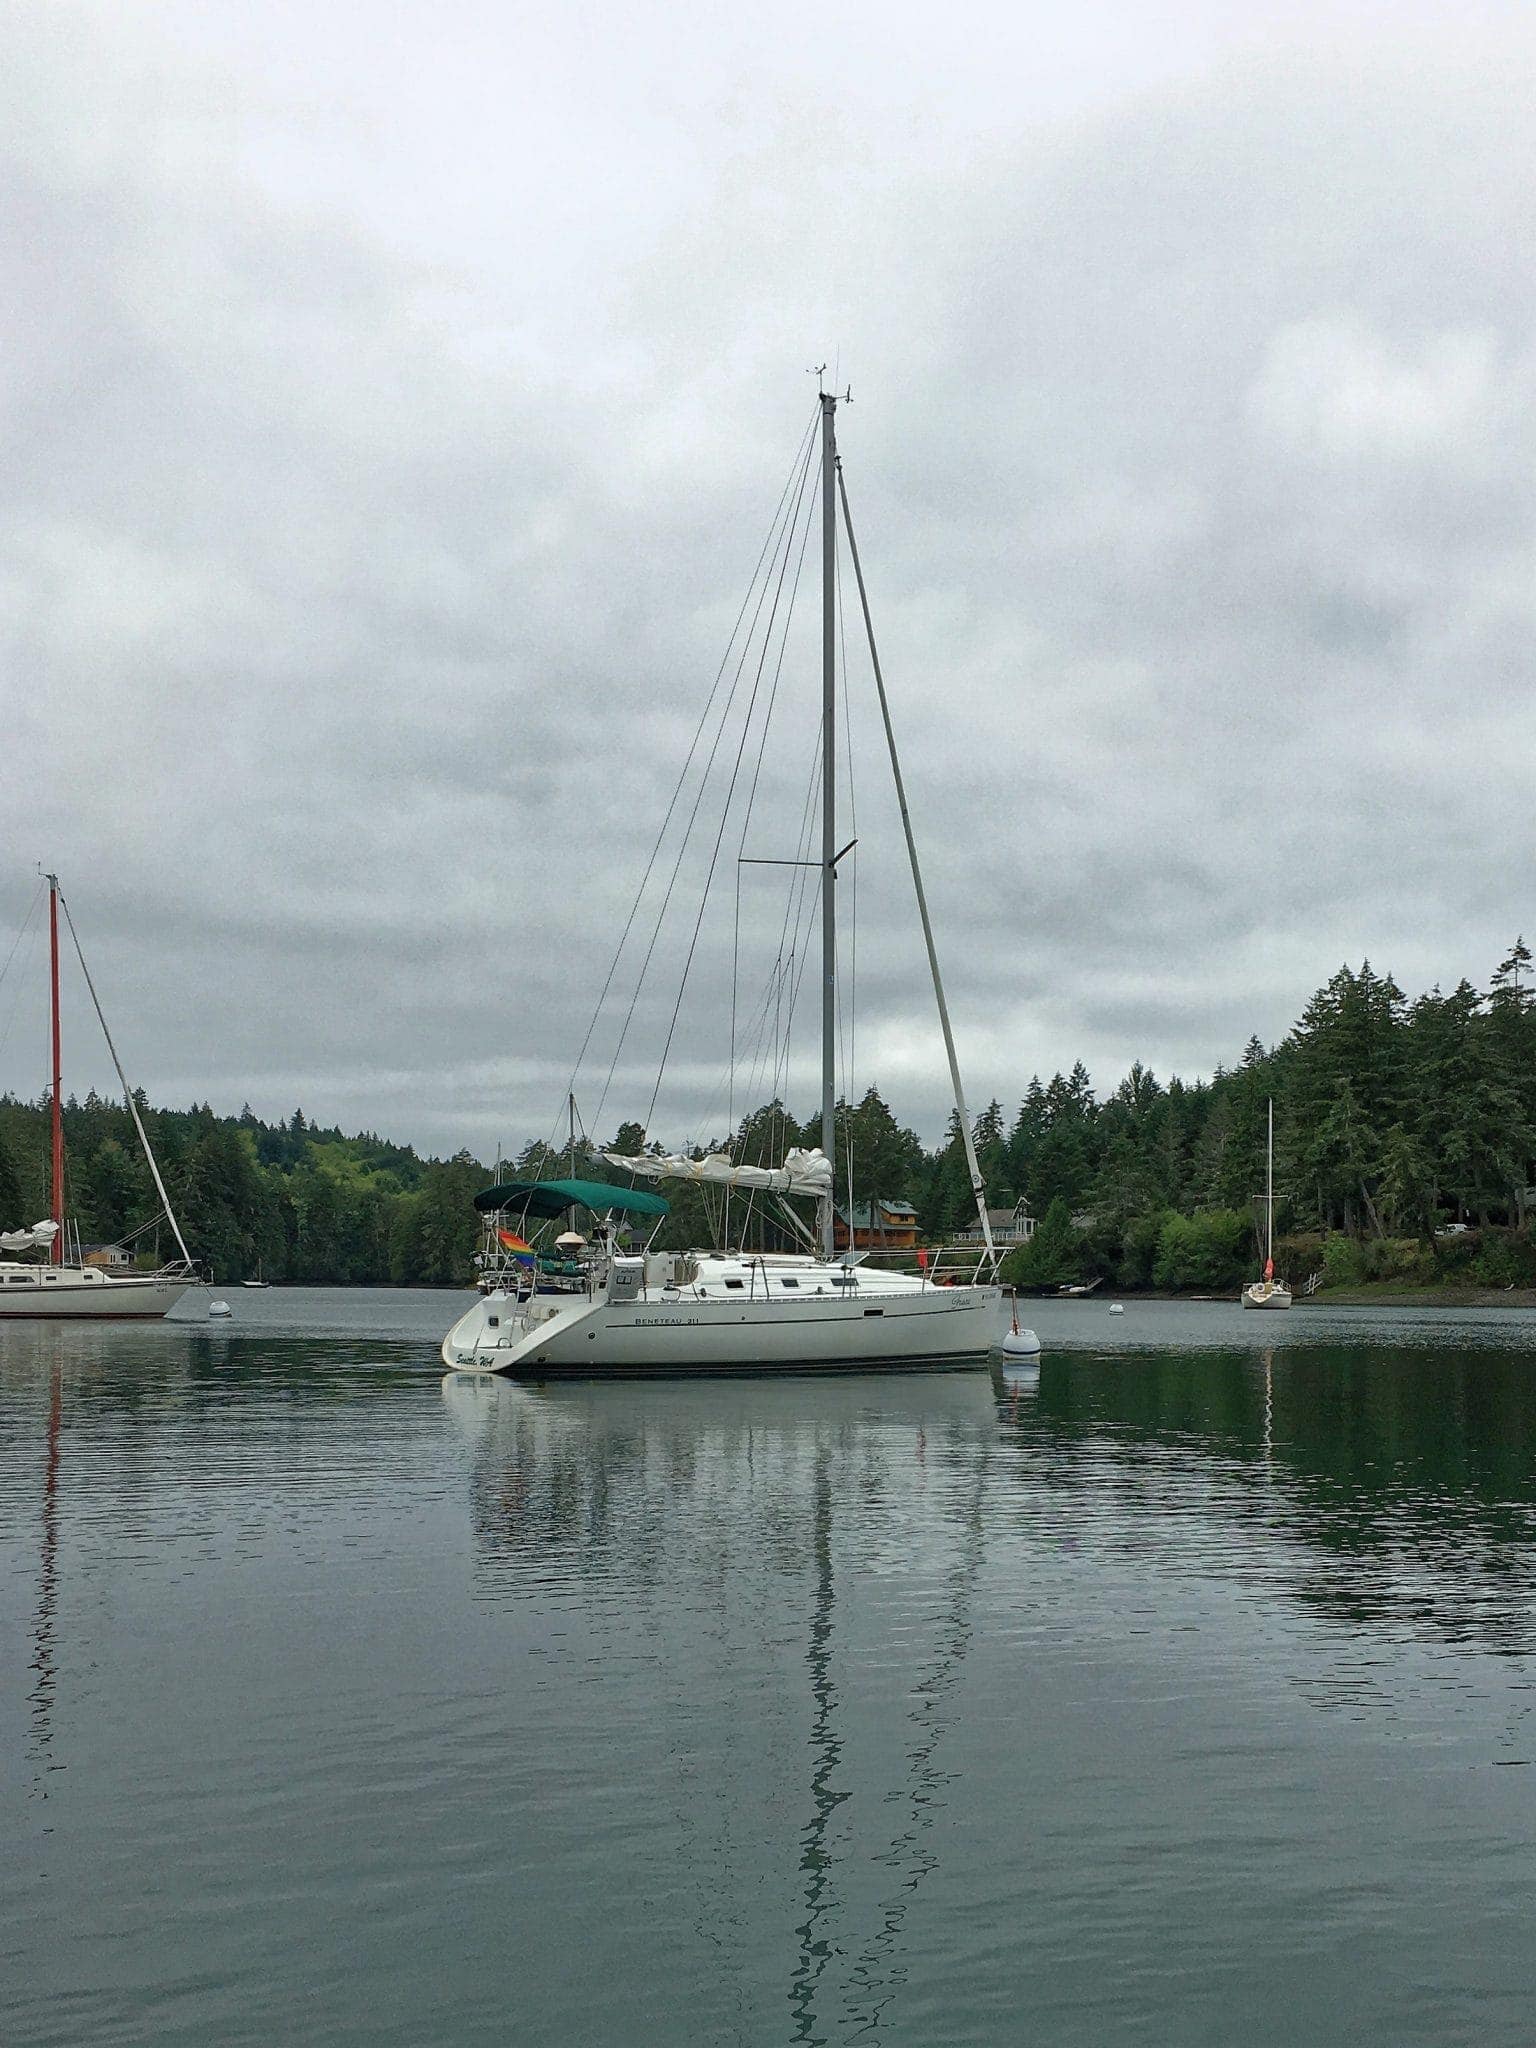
pixel 1370 1294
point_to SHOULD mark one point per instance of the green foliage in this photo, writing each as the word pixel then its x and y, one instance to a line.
pixel 887 1158
pixel 12 1200
pixel 1054 1256
pixel 1343 1261
pixel 291 1200
pixel 1138 1249
pixel 1400 1259
pixel 1392 1120
pixel 1210 1250
pixel 1505 1258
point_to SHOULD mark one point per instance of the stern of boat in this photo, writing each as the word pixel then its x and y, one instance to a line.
pixel 499 1331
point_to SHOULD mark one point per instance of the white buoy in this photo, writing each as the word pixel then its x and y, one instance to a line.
pixel 1117 1308
pixel 219 1308
pixel 1020 1343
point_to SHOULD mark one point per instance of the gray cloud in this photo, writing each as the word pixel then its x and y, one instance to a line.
pixel 360 581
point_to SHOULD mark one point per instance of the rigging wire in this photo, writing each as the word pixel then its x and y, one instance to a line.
pixel 788 527
pixel 22 932
pixel 758 1044
pixel 746 821
pixel 853 859
pixel 758 1041
pixel 128 1096
pixel 847 1047
pixel 798 915
pixel 767 1038
pixel 767 553
pixel 800 457
pixel 731 786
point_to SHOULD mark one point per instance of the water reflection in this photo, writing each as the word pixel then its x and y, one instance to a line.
pixel 816 1864
pixel 584 1479
pixel 43 1651
pixel 835 1711
pixel 1400 1486
pixel 912 1857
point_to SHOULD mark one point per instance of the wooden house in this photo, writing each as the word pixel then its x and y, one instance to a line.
pixel 877 1227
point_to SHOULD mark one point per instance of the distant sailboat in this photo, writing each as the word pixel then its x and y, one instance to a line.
pixel 1268 1292
pixel 51 1285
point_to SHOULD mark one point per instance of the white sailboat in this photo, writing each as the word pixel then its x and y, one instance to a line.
pixel 50 1285
pixel 735 1310
pixel 1268 1292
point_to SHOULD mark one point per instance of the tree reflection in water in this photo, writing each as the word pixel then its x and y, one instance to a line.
pixel 1398 1487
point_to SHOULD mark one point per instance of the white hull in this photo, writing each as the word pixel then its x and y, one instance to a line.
pixel 1259 1295
pixel 62 1292
pixel 883 1324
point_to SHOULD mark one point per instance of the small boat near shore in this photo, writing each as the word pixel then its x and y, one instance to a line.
pixel 1268 1292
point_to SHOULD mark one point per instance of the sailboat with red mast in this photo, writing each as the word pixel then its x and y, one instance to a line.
pixel 48 1283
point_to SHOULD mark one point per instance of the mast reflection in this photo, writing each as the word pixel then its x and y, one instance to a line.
pixel 826 1750
pixel 40 1699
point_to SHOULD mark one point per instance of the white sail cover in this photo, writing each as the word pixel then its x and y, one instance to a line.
pixel 36 1239
pixel 803 1172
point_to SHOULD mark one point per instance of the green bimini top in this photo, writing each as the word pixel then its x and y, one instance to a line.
pixel 552 1197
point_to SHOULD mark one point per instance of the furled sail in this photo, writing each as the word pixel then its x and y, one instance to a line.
pixel 803 1172
pixel 37 1238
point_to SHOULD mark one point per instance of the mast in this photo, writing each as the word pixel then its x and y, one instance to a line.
pixel 828 806
pixel 570 1157
pixel 58 1111
pixel 1269 1199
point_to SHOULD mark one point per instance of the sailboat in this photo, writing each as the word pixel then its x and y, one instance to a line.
pixel 1268 1292
pixel 738 1310
pixel 51 1285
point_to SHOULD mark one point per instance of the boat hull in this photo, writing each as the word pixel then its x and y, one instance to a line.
pixel 926 1330
pixel 1257 1295
pixel 72 1295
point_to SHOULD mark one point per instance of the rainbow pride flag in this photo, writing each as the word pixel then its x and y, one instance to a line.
pixel 519 1247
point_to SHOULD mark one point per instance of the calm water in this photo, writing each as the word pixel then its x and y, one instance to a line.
pixel 1180 1693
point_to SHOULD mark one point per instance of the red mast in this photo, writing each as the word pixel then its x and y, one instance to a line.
pixel 58 1113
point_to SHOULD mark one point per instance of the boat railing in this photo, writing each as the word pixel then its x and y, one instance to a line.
pixel 982 1266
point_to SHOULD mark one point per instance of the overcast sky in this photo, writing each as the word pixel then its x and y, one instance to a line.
pixel 394 402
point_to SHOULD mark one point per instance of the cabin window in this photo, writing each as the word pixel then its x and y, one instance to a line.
pixel 874 1311
pixel 789 1283
pixel 494 1321
pixel 735 1283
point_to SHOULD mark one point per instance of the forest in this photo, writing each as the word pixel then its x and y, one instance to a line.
pixel 1405 1134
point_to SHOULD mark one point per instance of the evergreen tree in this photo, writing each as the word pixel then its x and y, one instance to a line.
pixel 1054 1255
pixel 12 1202
pixel 1029 1127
